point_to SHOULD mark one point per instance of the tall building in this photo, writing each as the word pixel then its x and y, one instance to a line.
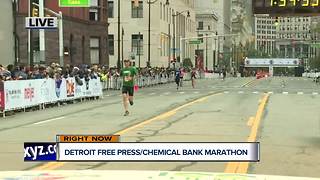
pixel 265 34
pixel 207 25
pixel 85 34
pixel 294 36
pixel 219 13
pixel 168 23
pixel 242 21
pixel 7 48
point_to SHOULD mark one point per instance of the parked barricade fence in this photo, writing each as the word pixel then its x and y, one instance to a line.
pixel 22 94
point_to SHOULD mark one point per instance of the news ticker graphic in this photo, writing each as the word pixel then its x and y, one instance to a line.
pixel 88 138
pixel 41 151
pixel 156 151
pixel 108 148
pixel 47 151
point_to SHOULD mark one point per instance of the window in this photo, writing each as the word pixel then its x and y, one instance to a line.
pixel 93 11
pixel 200 25
pixel 110 9
pixel 111 44
pixel 94 14
pixel 200 37
pixel 160 10
pixel 137 10
pixel 137 44
pixel 94 50
pixel 94 3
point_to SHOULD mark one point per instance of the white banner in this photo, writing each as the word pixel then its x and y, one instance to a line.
pixel 158 152
pixel 26 93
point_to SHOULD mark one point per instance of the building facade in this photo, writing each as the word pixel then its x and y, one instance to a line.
pixel 7 47
pixel 207 25
pixel 265 34
pixel 85 33
pixel 294 36
pixel 214 18
pixel 168 23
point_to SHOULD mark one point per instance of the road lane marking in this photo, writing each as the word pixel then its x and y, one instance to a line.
pixel 55 165
pixel 181 92
pixel 300 93
pixel 166 93
pixel 250 122
pixel 285 93
pixel 196 92
pixel 255 92
pixel 242 168
pixel 247 83
pixel 49 120
pixel 315 93
pixel 270 92
pixel 226 92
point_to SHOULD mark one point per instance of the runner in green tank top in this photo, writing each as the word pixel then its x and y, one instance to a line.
pixel 127 73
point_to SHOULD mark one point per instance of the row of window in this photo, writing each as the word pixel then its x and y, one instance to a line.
pixel 284 20
pixel 297 35
pixel 266 37
pixel 266 27
pixel 136 44
pixel 297 27
pixel 166 13
pixel 265 32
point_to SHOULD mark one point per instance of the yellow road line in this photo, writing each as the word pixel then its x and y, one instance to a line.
pixel 250 122
pixel 254 122
pixel 55 165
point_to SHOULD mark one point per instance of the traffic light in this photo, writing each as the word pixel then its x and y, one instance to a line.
pixel 35 12
pixel 276 22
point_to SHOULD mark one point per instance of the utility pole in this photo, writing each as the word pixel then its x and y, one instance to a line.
pixel 42 39
pixel 122 34
pixel 30 36
pixel 139 54
pixel 119 63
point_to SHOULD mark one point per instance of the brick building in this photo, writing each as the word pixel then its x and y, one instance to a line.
pixel 85 34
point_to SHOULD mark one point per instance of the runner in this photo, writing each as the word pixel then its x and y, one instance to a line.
pixel 193 77
pixel 128 73
pixel 181 76
pixel 177 73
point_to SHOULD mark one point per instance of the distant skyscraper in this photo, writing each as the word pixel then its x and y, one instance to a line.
pixel 265 34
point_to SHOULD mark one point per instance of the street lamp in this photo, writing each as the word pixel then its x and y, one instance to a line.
pixel 149 28
pixel 174 30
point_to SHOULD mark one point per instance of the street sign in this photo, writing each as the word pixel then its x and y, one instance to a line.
pixel 74 3
pixel 195 42
pixel 41 23
pixel 315 45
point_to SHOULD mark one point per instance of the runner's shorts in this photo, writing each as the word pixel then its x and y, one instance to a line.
pixel 127 90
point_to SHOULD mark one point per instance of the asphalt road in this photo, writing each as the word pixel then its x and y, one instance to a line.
pixel 288 129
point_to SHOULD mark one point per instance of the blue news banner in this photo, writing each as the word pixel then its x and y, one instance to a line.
pixel 40 151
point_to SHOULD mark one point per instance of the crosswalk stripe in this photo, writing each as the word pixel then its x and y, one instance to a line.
pixel 196 92
pixel 315 93
pixel 240 92
pixel 285 92
pixel 300 93
pixel 181 92
pixel 255 92
pixel 226 92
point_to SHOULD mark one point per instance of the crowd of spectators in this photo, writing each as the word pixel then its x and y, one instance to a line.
pixel 54 70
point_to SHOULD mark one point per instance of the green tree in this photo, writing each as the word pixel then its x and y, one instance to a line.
pixel 187 63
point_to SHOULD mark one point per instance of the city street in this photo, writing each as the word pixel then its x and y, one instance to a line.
pixel 282 113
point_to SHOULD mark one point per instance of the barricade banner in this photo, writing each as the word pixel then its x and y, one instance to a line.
pixel 27 93
pixel 1 96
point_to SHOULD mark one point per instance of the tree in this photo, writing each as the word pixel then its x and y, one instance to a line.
pixel 187 63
